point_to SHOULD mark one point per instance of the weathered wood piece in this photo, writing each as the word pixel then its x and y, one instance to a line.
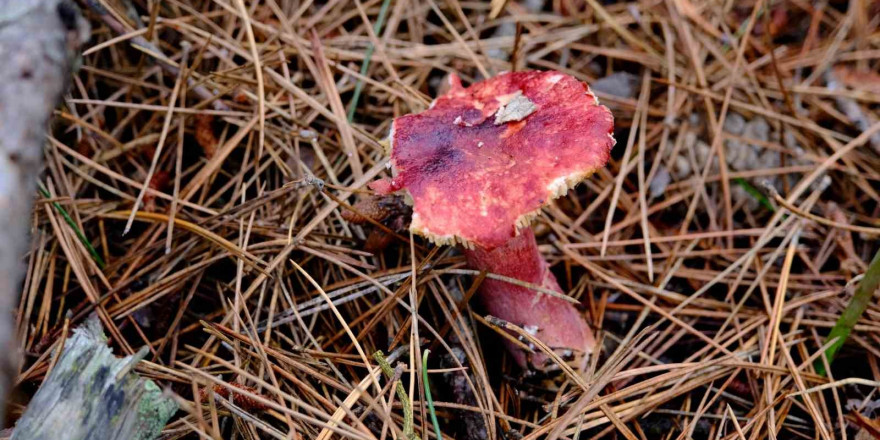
pixel 92 394
pixel 39 43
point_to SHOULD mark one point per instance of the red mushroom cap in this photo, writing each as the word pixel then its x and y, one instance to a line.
pixel 483 160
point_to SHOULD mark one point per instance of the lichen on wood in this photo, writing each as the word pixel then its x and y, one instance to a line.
pixel 92 394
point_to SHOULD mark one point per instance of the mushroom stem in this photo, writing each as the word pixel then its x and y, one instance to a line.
pixel 555 322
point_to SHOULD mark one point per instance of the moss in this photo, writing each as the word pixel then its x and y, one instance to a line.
pixel 154 410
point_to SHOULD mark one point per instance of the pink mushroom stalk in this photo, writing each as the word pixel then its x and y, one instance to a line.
pixel 480 164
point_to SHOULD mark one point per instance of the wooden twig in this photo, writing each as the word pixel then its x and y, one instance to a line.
pixel 92 394
pixel 39 41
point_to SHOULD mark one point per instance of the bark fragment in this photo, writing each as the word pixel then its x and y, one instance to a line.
pixel 92 394
pixel 39 42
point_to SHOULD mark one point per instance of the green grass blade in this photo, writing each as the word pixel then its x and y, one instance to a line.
pixel 82 238
pixel 857 305
pixel 368 55
pixel 754 192
pixel 428 394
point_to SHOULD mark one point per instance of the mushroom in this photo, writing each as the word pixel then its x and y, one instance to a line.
pixel 480 164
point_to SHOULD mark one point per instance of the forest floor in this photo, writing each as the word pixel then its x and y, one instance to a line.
pixel 712 255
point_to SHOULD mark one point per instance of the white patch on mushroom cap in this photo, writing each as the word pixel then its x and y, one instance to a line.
pixel 590 92
pixel 460 122
pixel 554 79
pixel 517 109
pixel 484 204
pixel 388 143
